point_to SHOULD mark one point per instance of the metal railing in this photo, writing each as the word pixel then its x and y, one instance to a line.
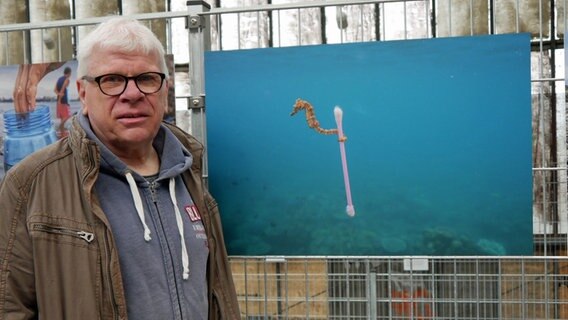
pixel 402 287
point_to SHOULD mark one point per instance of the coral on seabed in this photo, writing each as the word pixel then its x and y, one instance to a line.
pixel 444 242
pixel 393 245
pixel 492 247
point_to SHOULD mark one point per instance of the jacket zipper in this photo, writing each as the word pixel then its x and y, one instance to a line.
pixel 87 236
pixel 153 186
pixel 153 192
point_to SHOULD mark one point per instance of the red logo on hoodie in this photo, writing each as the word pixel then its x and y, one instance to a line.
pixel 193 213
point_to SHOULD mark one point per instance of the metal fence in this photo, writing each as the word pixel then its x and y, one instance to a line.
pixel 533 287
pixel 402 287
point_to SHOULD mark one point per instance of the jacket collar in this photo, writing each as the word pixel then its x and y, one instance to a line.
pixel 174 161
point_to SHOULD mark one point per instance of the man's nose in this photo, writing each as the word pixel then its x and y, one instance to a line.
pixel 131 87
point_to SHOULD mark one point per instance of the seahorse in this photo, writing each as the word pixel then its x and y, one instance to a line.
pixel 310 116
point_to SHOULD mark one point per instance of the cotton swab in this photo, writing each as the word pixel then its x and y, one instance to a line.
pixel 314 124
pixel 339 119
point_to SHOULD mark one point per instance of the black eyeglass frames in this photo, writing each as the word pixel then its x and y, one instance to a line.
pixel 115 84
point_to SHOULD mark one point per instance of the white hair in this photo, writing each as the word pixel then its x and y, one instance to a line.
pixel 121 34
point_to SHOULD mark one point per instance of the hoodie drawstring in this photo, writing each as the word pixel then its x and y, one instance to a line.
pixel 184 254
pixel 140 210
pixel 138 204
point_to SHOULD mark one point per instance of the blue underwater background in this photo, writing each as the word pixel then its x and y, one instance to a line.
pixel 438 147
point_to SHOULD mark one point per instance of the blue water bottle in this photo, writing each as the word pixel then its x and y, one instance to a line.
pixel 25 133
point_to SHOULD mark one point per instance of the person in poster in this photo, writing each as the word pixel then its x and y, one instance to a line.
pixel 63 108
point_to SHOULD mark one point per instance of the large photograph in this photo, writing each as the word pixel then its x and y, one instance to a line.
pixel 437 146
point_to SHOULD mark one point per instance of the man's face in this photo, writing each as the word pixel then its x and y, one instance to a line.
pixel 131 120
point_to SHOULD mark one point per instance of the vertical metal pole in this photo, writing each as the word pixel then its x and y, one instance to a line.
pixel 258 37
pixel 499 288
pixel 299 27
pixel 59 44
pixel 389 284
pixel 169 37
pixel 41 42
pixel 286 293
pixel 524 296
pixel 265 301
pixel 278 289
pixel 477 291
pixel 433 19
pixel 246 286
pixel 412 287
pixel 306 276
pixel 270 27
pixel 199 42
pixel 471 26
pixel 491 17
pixel 562 157
pixel 27 36
pixel 361 24
pixel 323 23
pixel 546 290
pixel 279 29
pixel 450 18
pixel 433 286
pixel 7 48
pixel 455 289
pixel 239 31
pixel 347 288
pixel 405 19
pixel 378 19
pixel 372 295
pixel 341 27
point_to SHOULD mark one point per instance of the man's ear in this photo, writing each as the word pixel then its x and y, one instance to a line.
pixel 81 90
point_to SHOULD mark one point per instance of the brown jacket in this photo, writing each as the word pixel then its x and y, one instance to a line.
pixel 49 265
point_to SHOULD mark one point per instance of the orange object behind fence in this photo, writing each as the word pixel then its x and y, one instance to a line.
pixel 414 304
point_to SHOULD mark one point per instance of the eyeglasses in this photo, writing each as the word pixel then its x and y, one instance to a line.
pixel 115 84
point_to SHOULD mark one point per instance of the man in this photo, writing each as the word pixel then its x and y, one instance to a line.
pixel 63 109
pixel 114 222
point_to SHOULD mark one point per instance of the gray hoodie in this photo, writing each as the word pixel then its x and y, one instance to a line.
pixel 162 251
